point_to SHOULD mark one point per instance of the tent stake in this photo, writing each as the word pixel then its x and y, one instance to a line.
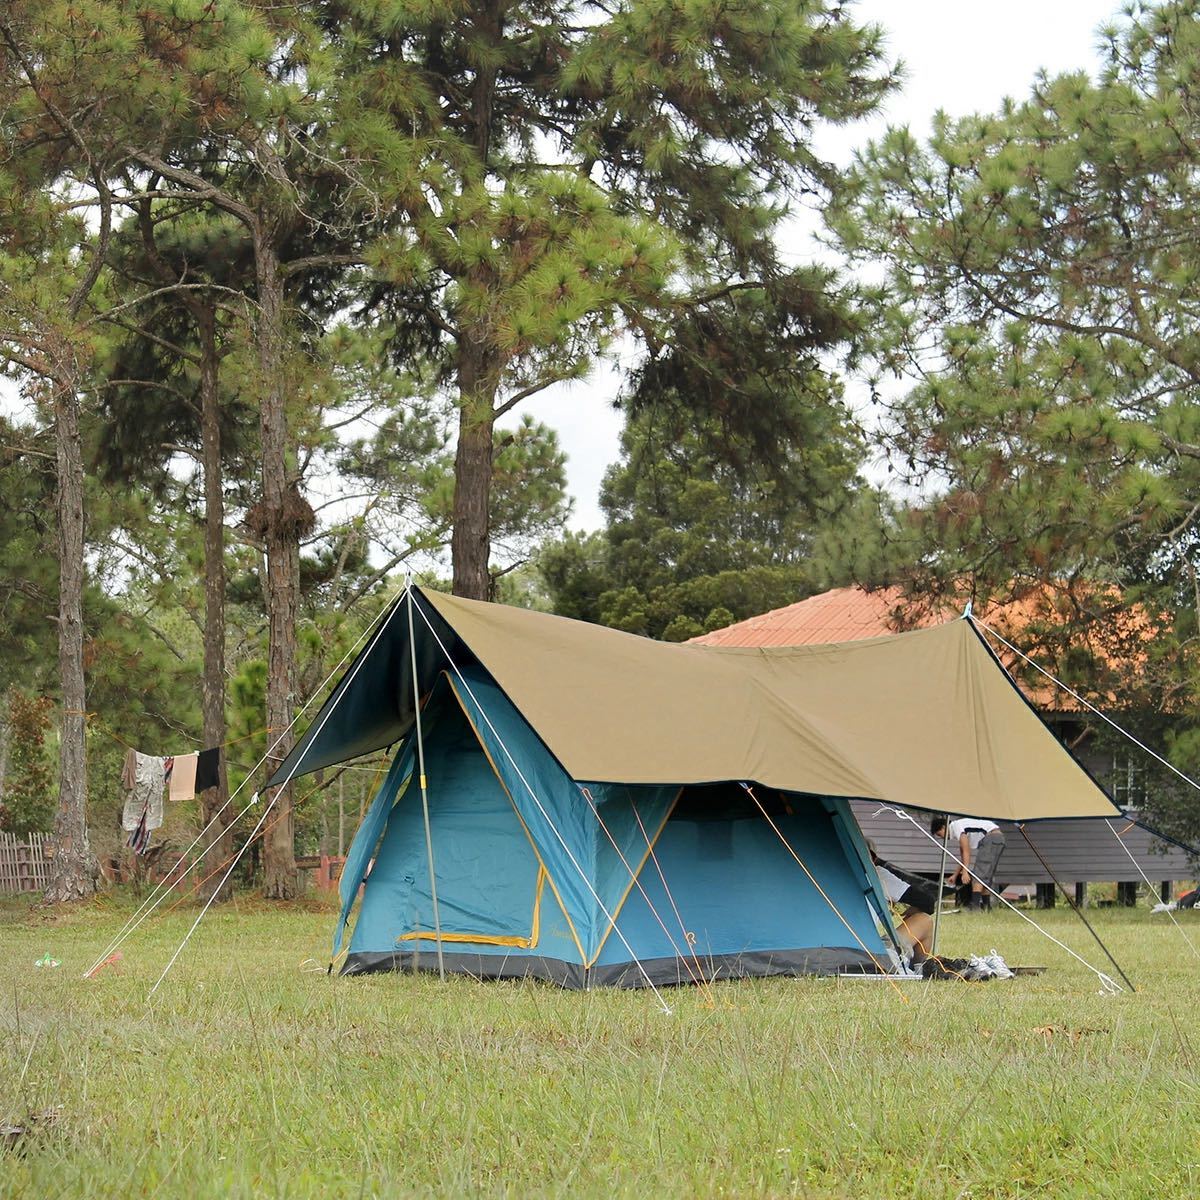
pixel 437 921
pixel 1078 911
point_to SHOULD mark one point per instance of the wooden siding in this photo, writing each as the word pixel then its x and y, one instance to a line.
pixel 1078 851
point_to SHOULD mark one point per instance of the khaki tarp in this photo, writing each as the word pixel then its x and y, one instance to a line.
pixel 926 719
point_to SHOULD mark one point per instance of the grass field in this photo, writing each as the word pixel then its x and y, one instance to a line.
pixel 249 1075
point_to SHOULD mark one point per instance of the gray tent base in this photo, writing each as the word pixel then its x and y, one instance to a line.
pixel 662 972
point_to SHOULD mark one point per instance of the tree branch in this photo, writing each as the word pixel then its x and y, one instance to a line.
pixel 197 185
pixel 92 273
pixel 313 261
pixel 172 289
pixel 531 390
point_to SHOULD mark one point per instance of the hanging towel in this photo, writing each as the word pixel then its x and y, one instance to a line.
pixel 208 769
pixel 129 770
pixel 146 797
pixel 183 778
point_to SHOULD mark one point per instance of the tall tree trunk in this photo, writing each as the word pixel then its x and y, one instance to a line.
pixel 282 522
pixel 73 869
pixel 212 688
pixel 471 539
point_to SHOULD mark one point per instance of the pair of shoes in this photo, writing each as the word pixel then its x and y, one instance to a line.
pixel 998 967
pixel 982 968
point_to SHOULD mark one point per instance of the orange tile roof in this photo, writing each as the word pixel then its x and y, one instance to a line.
pixel 843 615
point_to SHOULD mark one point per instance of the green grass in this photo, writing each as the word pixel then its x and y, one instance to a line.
pixel 249 1076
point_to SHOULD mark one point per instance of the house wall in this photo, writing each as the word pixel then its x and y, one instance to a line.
pixel 1083 850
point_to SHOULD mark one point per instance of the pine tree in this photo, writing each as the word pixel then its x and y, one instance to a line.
pixel 51 262
pixel 704 529
pixel 567 175
pixel 257 146
pixel 163 394
pixel 1041 309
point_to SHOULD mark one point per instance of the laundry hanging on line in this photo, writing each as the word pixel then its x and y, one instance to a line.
pixel 195 773
pixel 145 797
pixel 187 775
pixel 144 778
pixel 183 778
pixel 208 769
pixel 139 839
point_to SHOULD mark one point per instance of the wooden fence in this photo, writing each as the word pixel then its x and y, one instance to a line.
pixel 24 862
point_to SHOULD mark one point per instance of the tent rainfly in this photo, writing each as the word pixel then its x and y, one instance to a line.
pixel 606 809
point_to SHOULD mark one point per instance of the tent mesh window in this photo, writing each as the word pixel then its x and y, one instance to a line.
pixel 728 802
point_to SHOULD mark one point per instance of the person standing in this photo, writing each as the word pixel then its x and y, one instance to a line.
pixel 978 843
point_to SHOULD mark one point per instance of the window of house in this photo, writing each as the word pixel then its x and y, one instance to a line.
pixel 1128 781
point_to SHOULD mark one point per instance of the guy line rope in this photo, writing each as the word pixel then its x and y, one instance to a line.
pixel 1108 721
pixel 1087 704
pixel 343 687
pixel 689 938
pixel 825 896
pixel 1108 985
pixel 697 979
pixel 1138 865
pixel 378 773
pixel 159 894
pixel 545 815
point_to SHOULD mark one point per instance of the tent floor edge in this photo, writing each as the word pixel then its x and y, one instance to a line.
pixel 567 975
pixel 749 964
pixel 662 972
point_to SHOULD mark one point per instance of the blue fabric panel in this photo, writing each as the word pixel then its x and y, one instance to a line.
pixel 559 820
pixel 367 837
pixel 362 849
pixel 737 889
pixel 858 853
pixel 621 843
pixel 486 869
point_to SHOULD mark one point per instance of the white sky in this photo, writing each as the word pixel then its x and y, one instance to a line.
pixel 959 55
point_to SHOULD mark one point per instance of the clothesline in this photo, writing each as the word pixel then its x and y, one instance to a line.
pixel 94 718
pixel 145 777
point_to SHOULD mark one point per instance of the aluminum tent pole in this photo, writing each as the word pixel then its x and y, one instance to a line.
pixel 437 920
pixel 941 884
pixel 941 879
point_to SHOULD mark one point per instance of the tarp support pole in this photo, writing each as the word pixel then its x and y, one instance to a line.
pixel 941 880
pixel 1071 901
pixel 437 920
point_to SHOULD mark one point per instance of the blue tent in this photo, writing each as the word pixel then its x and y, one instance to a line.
pixel 534 880
pixel 607 810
